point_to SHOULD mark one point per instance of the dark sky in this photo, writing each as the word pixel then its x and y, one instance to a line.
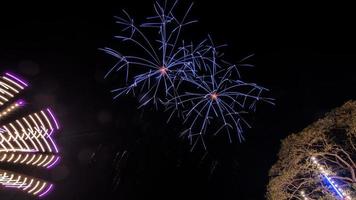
pixel 305 54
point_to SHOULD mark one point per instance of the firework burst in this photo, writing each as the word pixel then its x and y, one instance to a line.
pixel 190 81
pixel 26 141
pixel 217 97
pixel 158 71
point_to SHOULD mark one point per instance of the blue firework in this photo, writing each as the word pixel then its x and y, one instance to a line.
pixel 217 98
pixel 190 80
pixel 163 59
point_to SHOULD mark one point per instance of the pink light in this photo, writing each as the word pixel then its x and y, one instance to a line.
pixel 214 96
pixel 163 70
pixel 54 119
pixel 54 163
pixel 17 79
pixel 47 191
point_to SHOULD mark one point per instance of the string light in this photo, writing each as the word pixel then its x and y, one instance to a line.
pixel 340 193
pixel 302 193
pixel 11 108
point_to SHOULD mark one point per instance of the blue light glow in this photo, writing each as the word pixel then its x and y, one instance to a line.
pixel 332 184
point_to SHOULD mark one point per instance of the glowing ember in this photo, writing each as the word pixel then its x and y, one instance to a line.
pixel 214 96
pixel 163 70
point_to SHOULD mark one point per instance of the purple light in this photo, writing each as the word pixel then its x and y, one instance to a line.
pixel 47 191
pixel 54 144
pixel 17 79
pixel 54 163
pixel 52 131
pixel 20 102
pixel 54 119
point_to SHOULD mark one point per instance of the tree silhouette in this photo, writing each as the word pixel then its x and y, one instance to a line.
pixel 320 161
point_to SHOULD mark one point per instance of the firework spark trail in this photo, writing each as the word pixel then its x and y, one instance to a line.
pixel 119 161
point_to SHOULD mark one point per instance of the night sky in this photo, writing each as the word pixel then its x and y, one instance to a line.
pixel 305 54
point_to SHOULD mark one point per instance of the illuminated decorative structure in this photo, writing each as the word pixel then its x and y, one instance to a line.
pixel 27 184
pixel 26 141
